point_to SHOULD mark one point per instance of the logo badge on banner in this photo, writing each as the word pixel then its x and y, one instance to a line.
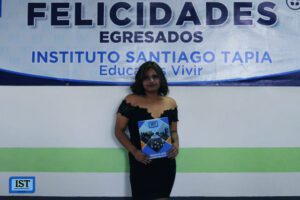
pixel 293 4
pixel 22 184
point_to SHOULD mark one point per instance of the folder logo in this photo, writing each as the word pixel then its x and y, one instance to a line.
pixel 153 124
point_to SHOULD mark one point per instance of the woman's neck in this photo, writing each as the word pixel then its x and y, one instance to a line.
pixel 152 95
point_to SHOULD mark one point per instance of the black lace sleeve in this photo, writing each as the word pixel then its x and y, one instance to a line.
pixel 125 109
pixel 174 115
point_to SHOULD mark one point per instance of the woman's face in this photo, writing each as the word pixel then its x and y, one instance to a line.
pixel 151 81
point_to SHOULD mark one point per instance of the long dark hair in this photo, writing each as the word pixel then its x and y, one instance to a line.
pixel 137 86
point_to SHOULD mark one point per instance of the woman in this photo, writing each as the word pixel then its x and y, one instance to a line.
pixel 149 178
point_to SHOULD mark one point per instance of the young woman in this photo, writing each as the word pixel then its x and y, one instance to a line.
pixel 149 178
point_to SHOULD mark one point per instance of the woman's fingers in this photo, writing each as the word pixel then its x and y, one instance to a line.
pixel 139 156
pixel 173 152
pixel 145 160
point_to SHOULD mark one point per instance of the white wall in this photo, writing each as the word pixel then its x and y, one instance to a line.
pixel 209 117
pixel 218 116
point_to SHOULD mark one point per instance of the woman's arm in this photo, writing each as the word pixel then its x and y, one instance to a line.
pixel 175 141
pixel 174 135
pixel 120 127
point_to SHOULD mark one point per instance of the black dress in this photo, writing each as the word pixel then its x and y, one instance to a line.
pixel 156 179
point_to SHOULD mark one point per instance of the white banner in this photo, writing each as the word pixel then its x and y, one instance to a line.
pixel 104 42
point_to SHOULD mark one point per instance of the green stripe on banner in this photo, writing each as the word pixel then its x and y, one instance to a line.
pixel 115 160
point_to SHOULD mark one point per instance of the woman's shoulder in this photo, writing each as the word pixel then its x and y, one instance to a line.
pixel 170 101
pixel 132 99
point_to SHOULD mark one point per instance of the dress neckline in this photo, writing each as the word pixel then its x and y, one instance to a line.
pixel 147 111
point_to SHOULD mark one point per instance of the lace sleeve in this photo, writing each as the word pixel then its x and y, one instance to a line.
pixel 174 115
pixel 125 109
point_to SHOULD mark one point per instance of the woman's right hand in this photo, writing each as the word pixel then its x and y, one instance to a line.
pixel 139 156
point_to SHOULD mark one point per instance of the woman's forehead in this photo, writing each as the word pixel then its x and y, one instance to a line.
pixel 150 71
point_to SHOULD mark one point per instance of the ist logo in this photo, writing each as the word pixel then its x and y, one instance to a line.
pixel 22 184
pixel 153 124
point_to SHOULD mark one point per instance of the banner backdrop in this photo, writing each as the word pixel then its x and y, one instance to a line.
pixel 245 42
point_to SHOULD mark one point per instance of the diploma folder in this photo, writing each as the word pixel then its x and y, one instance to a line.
pixel 155 137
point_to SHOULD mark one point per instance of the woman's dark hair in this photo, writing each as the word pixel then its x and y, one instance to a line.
pixel 137 86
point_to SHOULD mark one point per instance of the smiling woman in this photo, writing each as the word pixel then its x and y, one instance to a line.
pixel 151 118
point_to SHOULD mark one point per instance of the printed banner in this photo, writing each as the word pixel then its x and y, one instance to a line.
pixel 224 42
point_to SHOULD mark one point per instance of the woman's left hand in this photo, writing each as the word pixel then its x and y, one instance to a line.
pixel 173 152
